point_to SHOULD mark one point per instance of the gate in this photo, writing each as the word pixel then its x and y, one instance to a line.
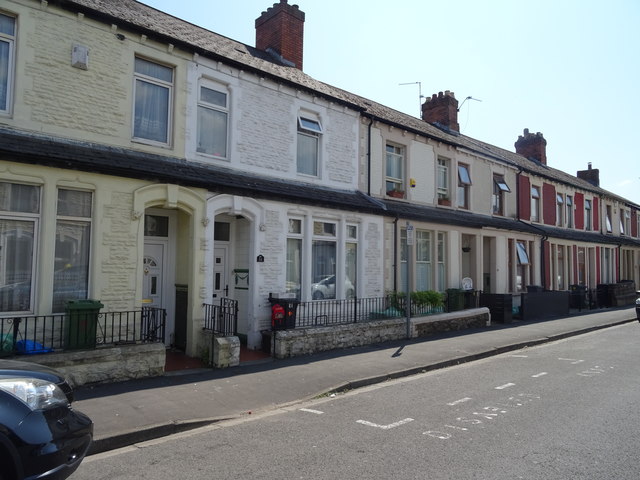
pixel 222 319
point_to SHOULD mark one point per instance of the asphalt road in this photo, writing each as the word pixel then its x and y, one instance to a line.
pixel 565 410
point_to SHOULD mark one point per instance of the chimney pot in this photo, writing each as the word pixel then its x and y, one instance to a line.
pixel 281 29
pixel 532 146
pixel 442 109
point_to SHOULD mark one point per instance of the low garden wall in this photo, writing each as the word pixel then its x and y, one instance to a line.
pixel 106 364
pixel 304 341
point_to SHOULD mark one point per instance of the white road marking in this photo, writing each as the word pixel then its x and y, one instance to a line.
pixel 572 360
pixel 310 410
pixel 385 427
pixel 538 375
pixel 520 356
pixel 456 402
pixel 506 385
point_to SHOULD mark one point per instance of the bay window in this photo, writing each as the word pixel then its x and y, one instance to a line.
pixel 424 271
pixel 19 216
pixel 323 260
pixel 73 236
pixel 294 257
pixel 351 263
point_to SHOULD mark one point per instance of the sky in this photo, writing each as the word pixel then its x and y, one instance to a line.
pixel 569 69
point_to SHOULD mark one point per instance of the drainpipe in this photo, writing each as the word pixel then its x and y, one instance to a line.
pixel 542 263
pixel 369 155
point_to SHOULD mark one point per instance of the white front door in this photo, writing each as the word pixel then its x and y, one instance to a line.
pixel 152 281
pixel 220 275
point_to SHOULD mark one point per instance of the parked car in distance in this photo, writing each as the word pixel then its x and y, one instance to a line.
pixel 326 288
pixel 41 435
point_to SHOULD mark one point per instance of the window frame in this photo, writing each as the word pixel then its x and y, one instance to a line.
pixel 10 40
pixel 588 225
pixel 74 219
pixel 157 82
pixel 569 206
pixel 535 203
pixel 442 178
pixel 464 186
pixel 305 130
pixel 395 186
pixel 33 217
pixel 559 210
pixel 295 236
pixel 500 187
pixel 213 107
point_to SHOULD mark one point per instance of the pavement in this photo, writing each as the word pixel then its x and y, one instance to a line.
pixel 131 412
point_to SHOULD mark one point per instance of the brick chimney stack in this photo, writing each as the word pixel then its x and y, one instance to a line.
pixel 591 175
pixel 280 31
pixel 442 109
pixel 532 146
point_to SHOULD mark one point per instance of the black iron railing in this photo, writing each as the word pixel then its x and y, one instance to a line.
pixel 358 310
pixel 30 334
pixel 221 319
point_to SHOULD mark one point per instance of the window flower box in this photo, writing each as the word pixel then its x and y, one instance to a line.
pixel 395 193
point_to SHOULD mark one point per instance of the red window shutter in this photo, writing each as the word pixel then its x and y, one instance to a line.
pixel 524 197
pixel 549 204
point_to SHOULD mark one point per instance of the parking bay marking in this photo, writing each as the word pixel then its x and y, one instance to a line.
pixel 506 385
pixel 385 427
pixel 310 410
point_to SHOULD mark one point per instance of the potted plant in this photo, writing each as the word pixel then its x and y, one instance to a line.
pixel 395 193
pixel 444 200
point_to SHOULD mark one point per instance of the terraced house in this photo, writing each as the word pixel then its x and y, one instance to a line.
pixel 182 178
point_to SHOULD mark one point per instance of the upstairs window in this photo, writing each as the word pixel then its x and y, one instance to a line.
pixel 559 210
pixel 309 132
pixel 213 120
pixel 625 222
pixel 395 171
pixel 153 93
pixel 608 223
pixel 500 187
pixel 7 47
pixel 587 214
pixel 535 204
pixel 569 211
pixel 464 184
pixel 443 178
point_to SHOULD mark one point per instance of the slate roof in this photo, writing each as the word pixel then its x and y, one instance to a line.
pixel 155 23
pixel 98 158
pixel 138 17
